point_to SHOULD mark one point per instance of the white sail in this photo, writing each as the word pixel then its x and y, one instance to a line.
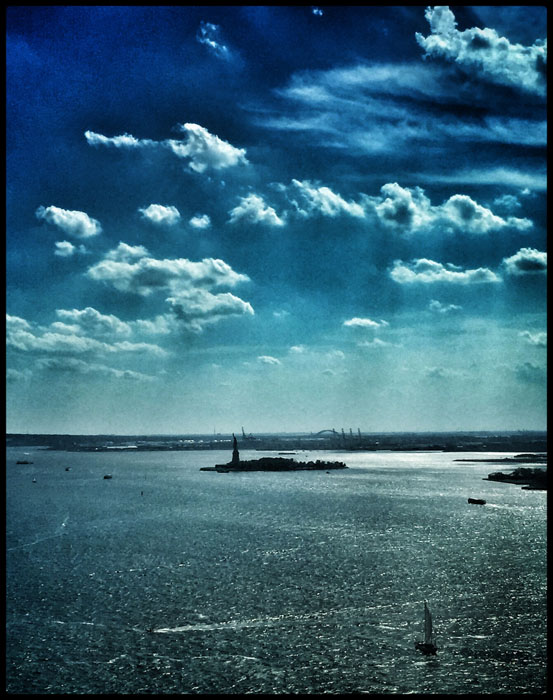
pixel 427 625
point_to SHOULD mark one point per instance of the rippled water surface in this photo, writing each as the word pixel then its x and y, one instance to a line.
pixel 165 579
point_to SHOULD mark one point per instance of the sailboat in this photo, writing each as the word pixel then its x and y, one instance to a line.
pixel 428 646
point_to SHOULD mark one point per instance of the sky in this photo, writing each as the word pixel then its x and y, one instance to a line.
pixel 286 218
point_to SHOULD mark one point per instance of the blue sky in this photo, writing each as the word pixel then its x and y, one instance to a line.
pixel 282 218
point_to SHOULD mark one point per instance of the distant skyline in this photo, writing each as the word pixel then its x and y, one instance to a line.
pixel 287 218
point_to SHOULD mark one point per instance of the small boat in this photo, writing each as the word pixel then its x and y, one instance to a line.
pixel 107 476
pixel 478 501
pixel 428 646
pixel 23 461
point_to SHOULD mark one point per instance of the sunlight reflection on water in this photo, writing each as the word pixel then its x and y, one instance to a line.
pixel 300 582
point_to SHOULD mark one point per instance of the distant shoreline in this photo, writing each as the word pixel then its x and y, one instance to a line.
pixel 519 442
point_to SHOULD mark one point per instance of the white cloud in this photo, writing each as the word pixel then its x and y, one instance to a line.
pixel 483 52
pixel 428 272
pixel 491 176
pixel 268 360
pixel 538 339
pixel 123 141
pixel 463 213
pixel 64 249
pixel 15 323
pixel 376 343
pixel 147 274
pixel 197 308
pixel 200 221
pixel 210 35
pixel 527 261
pixel 365 323
pixel 160 214
pixel 126 253
pixel 410 210
pixel 39 341
pixel 253 210
pixel 355 109
pixel 74 223
pixel 205 150
pixel 162 324
pixel 440 308
pixel 189 284
pixel 321 199
pixel 91 321
pixel 403 207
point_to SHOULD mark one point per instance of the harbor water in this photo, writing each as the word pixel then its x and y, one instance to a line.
pixel 166 579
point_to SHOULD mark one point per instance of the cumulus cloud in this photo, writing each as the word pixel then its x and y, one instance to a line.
pixel 252 209
pixel 322 200
pixel 92 322
pixel 15 323
pixel 428 272
pixel 538 339
pixel 125 252
pixel 162 324
pixel 268 360
pixel 483 52
pixel 527 261
pixel 403 209
pixel 74 223
pixel 410 210
pixel 200 221
pixel 147 274
pixel 440 308
pixel 197 308
pixel 205 150
pixel 45 341
pixel 131 269
pixel 209 35
pixel 64 249
pixel 365 323
pixel 160 214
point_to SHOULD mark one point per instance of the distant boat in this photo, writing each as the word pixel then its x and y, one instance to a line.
pixel 478 501
pixel 107 476
pixel 428 646
pixel 23 461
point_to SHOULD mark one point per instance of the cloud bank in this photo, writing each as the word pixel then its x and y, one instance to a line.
pixel 482 52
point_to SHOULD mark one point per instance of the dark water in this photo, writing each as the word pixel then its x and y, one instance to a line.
pixel 302 582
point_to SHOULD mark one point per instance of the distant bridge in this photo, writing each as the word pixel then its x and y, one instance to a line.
pixel 327 430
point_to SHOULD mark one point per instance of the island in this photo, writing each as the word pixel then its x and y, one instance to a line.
pixel 268 464
pixel 529 479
